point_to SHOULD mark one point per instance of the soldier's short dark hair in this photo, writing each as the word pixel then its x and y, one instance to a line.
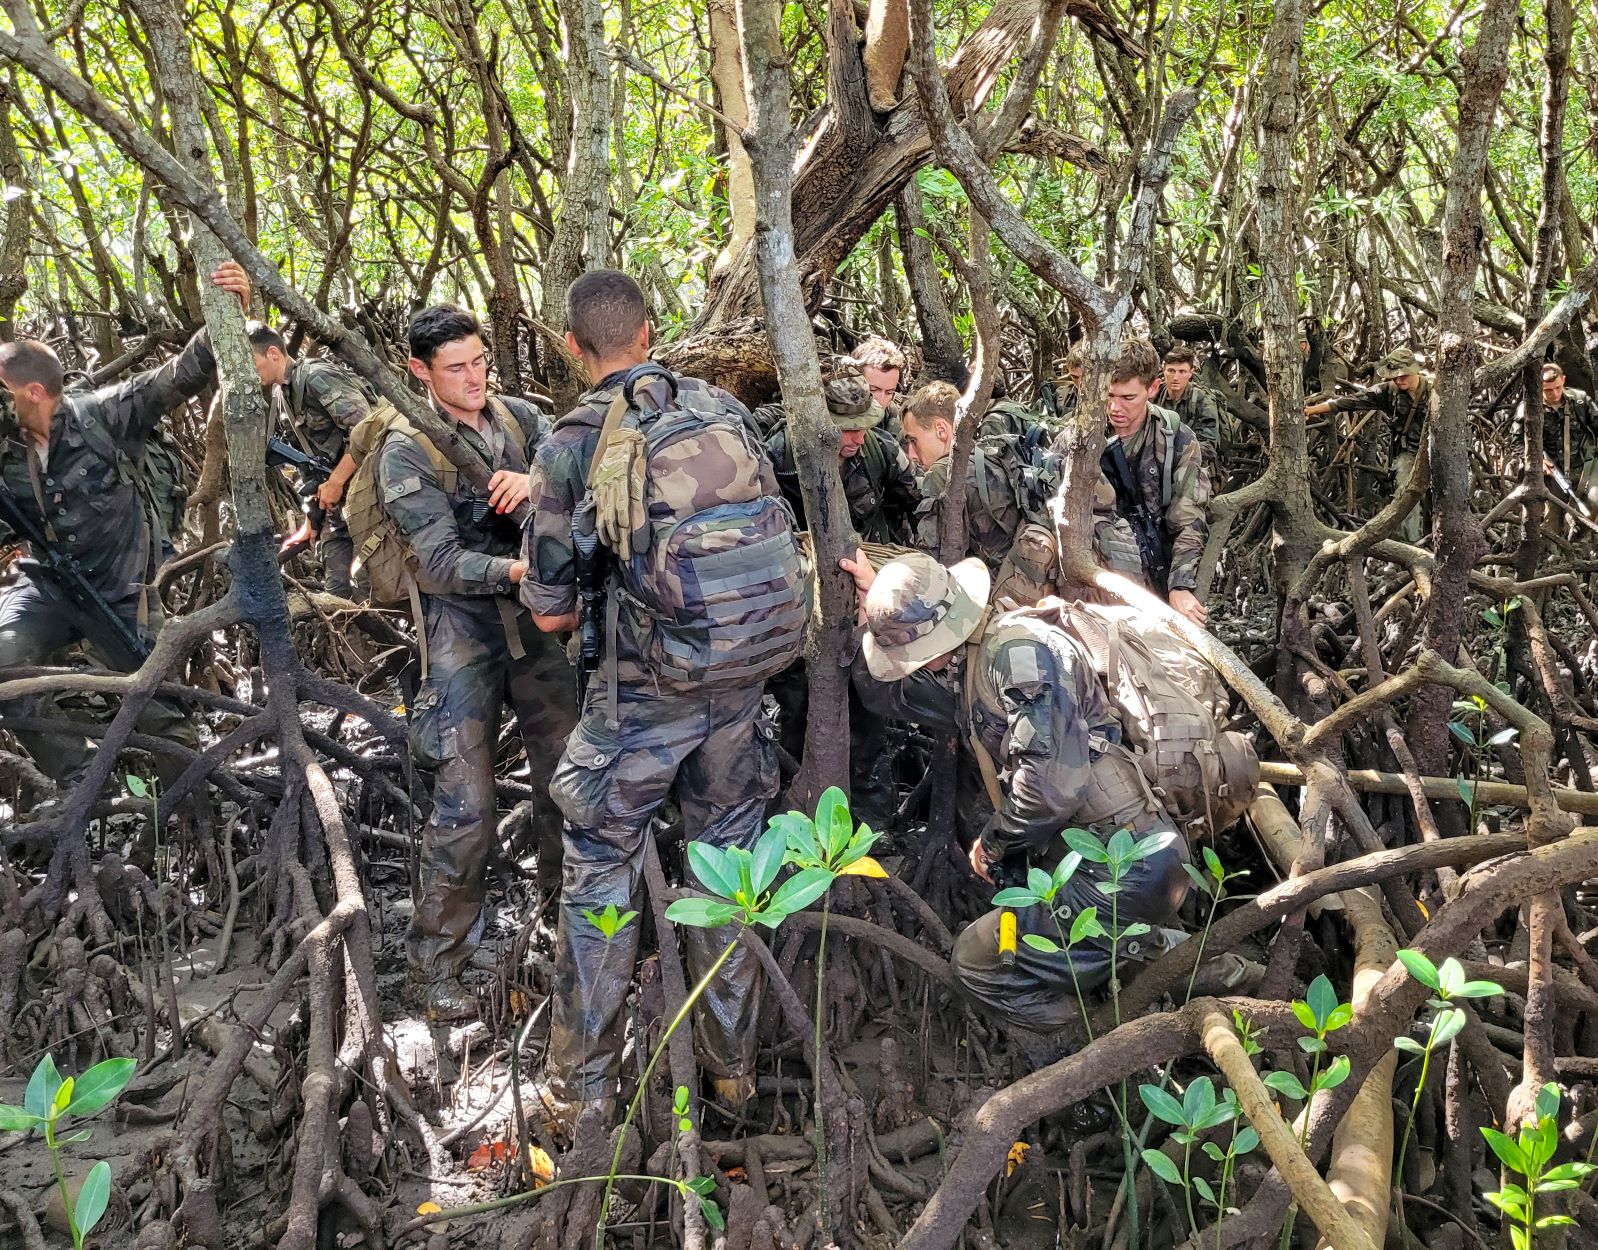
pixel 1138 359
pixel 934 400
pixel 28 360
pixel 435 327
pixel 875 352
pixel 605 309
pixel 1182 354
pixel 264 337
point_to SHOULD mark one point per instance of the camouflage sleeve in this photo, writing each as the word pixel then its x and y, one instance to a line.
pixel 1114 544
pixel 1187 518
pixel 1380 399
pixel 556 484
pixel 337 394
pixel 133 409
pixel 414 499
pixel 1207 418
pixel 933 483
pixel 1046 753
pixel 901 494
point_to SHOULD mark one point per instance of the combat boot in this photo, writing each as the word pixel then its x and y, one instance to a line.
pixel 558 1113
pixel 442 1000
pixel 733 1091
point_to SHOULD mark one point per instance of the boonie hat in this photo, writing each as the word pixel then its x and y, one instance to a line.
pixel 1397 363
pixel 917 610
pixel 849 401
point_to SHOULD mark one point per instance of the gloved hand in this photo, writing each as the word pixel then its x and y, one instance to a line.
pixel 619 492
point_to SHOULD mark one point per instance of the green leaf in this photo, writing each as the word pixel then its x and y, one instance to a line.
pixel 1503 737
pixel 1065 869
pixel 1554 1221
pixel 63 1096
pixel 1198 1101
pixel 92 1198
pixel 1122 849
pixel 1462 732
pixel 1212 863
pixel 137 786
pixel 1322 1000
pixel 1304 1013
pixel 16 1119
pixel 800 890
pixel 1039 882
pixel 702 1185
pixel 1086 845
pixel 701 913
pixel 1040 943
pixel 1162 1104
pixel 1137 929
pixel 1160 1164
pixel 1466 789
pixel 768 854
pixel 1153 844
pixel 99 1085
pixel 1447 1027
pixel 1312 1045
pixel 1340 1017
pixel 834 824
pixel 1409 1044
pixel 1204 884
pixel 1512 1156
pixel 715 870
pixel 1419 967
pixel 42 1086
pixel 1086 925
pixel 1450 976
pixel 1334 1075
pixel 1214 1152
pixel 799 832
pixel 1547 1101
pixel 1286 1084
pixel 1518 1238
pixel 1570 1172
pixel 1247 1139
pixel 712 1214
pixel 1478 989
pixel 679 1100
pixel 1203 1187
pixel 1015 896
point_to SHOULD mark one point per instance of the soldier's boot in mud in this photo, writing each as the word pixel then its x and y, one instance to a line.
pixel 440 1000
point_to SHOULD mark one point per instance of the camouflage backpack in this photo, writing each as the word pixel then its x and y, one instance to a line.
pixel 1171 704
pixel 380 546
pixel 709 569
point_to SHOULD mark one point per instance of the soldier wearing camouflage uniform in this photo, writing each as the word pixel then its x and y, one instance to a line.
pixel 480 647
pixel 994 516
pixel 73 466
pixel 1199 410
pixel 321 404
pixel 877 478
pixel 1023 697
pixel 1167 462
pixel 1386 458
pixel 1570 433
pixel 642 737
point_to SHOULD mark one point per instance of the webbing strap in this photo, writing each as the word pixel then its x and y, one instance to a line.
pixel 613 416
pixel 38 492
pixel 415 595
pixel 513 633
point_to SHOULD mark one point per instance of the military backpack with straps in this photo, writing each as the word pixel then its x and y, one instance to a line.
pixel 708 569
pixel 380 546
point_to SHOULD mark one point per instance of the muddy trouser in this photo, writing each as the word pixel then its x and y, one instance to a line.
pixel 455 720
pixel 1410 530
pixel 337 550
pixel 613 777
pixel 34 624
pixel 1037 991
pixel 872 798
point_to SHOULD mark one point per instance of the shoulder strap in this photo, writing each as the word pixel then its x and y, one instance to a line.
pixel 985 764
pixel 613 416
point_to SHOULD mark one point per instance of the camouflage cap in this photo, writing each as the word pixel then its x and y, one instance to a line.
pixel 1397 363
pixel 918 610
pixel 849 401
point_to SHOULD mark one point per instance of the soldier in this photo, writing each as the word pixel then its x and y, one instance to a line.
pixel 1155 463
pixel 1403 398
pixel 882 365
pixel 877 478
pixel 654 719
pixel 1570 434
pixel 1188 400
pixel 1006 493
pixel 73 468
pixel 1023 697
pixel 1062 392
pixel 478 646
pixel 322 403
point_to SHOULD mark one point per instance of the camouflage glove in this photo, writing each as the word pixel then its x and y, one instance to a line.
pixel 619 492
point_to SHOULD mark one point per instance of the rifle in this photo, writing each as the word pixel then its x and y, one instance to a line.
pixel 1147 528
pixel 121 645
pixel 590 555
pixel 1568 492
pixel 310 471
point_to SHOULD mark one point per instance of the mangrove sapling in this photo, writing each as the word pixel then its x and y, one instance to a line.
pixel 1197 1113
pixel 49 1100
pixel 1528 1154
pixel 1212 882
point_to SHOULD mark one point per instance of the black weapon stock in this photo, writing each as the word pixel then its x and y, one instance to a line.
pixel 310 472
pixel 590 592
pixel 121 645
pixel 1147 528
